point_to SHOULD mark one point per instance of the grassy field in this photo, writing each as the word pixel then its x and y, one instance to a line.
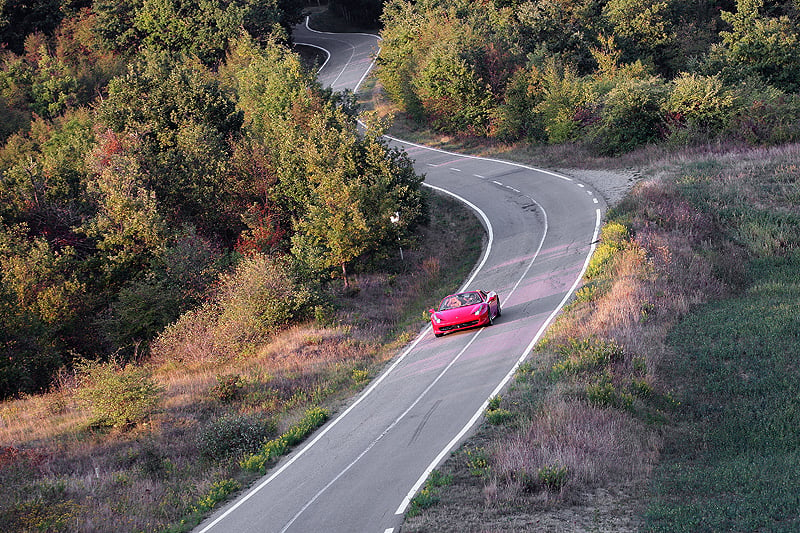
pixel 222 418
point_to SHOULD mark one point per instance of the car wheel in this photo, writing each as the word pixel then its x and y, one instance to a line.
pixel 498 311
pixel 491 319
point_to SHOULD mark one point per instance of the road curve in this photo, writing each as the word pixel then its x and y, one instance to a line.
pixel 359 471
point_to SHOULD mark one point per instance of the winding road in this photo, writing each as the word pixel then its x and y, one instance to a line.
pixel 359 471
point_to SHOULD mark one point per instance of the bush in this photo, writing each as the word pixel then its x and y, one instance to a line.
pixel 259 297
pixel 227 389
pixel 699 102
pixel 234 435
pixel 631 116
pixel 118 396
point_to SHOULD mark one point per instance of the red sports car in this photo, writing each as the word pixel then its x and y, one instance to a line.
pixel 465 310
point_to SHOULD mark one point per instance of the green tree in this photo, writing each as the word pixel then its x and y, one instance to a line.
pixel 128 227
pixel 179 124
pixel 643 30
pixel 356 186
pixel 766 47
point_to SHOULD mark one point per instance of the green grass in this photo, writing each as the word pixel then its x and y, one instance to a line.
pixel 734 466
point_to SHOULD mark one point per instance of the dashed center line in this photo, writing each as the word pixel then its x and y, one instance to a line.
pixel 479 176
pixel 497 182
pixel 455 169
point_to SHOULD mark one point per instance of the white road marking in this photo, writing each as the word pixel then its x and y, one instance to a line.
pixel 325 429
pixel 407 500
pixel 455 169
pixel 497 182
pixel 479 176
pixel 422 335
pixel 328 58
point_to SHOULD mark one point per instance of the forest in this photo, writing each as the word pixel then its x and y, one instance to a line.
pixel 148 146
pixel 147 149
pixel 611 75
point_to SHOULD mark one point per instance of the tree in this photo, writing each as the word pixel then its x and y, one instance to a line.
pixel 356 186
pixel 643 30
pixel 178 123
pixel 20 18
pixel 766 47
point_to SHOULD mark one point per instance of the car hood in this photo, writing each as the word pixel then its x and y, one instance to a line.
pixel 458 312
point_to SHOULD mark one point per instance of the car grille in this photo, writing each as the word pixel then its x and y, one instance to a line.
pixel 459 326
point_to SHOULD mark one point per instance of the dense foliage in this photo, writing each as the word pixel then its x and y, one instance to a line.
pixel 611 74
pixel 164 156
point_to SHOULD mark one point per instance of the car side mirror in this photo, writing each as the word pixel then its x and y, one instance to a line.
pixel 431 311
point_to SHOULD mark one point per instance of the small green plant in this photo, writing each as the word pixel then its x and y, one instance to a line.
pixel 277 447
pixel 498 417
pixel 494 403
pixel 118 396
pixel 429 494
pixel 217 492
pixel 603 393
pixel 586 355
pixel 553 477
pixel 477 462
pixel 360 376
pixel 639 366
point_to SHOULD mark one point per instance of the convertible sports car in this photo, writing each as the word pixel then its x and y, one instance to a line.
pixel 465 310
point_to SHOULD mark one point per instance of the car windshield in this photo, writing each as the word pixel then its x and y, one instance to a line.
pixel 460 300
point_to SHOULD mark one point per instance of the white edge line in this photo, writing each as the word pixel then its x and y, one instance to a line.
pixel 374 384
pixel 318 48
pixel 407 500
pixel 466 156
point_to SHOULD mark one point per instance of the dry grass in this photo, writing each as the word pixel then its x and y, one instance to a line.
pixel 58 473
pixel 603 423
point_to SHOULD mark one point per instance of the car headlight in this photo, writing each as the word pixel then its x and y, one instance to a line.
pixel 480 310
pixel 436 319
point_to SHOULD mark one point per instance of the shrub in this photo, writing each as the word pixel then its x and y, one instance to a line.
pixel 631 116
pixel 227 389
pixel 118 396
pixel 259 297
pixel 701 102
pixel 233 435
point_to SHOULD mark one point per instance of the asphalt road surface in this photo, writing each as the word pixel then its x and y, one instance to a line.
pixel 359 471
